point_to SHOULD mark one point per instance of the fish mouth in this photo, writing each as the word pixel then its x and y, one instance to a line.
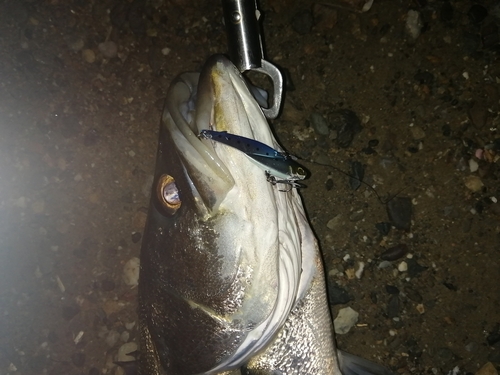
pixel 218 99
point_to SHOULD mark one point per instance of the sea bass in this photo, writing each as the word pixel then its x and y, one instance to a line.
pixel 231 275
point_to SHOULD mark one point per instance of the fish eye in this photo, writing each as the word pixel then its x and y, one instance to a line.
pixel 168 194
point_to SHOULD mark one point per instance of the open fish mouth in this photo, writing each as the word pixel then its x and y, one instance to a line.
pixel 217 99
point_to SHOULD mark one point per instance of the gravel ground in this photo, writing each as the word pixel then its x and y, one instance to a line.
pixel 405 95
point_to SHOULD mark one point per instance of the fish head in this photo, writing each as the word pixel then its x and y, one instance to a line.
pixel 225 254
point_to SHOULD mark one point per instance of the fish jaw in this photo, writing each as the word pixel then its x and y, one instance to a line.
pixel 226 256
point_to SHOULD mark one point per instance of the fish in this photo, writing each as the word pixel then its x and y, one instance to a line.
pixel 231 278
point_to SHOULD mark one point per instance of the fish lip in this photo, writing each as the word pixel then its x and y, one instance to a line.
pixel 213 99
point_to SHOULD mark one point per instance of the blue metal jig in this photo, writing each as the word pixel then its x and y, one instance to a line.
pixel 279 166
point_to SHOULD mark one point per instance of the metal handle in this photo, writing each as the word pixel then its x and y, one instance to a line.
pixel 243 36
pixel 245 46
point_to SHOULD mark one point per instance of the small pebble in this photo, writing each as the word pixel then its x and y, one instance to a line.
pixel 88 55
pixel 356 215
pixel 493 337
pixel 487 369
pixel 395 252
pixel 336 294
pixel 420 308
pixel 345 320
pixel 473 183
pixel 335 222
pixel 473 165
pixel 399 210
pixel 359 271
pixel 417 133
pixel 350 273
pixel 125 350
pixel 414 24
pixel 414 268
pixel 403 266
pixel 131 272
pixel 319 124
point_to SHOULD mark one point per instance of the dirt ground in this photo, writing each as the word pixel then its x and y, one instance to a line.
pixel 82 85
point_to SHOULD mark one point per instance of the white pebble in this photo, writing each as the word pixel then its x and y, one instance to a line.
pixel 125 350
pixel 345 320
pixel 473 165
pixel 403 266
pixel 360 270
pixel 131 272
pixel 414 24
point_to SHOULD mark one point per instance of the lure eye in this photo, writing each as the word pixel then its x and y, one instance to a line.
pixel 168 194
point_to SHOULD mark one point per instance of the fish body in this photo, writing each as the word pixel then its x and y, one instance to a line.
pixel 231 275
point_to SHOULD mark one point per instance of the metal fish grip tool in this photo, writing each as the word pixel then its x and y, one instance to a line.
pixel 241 18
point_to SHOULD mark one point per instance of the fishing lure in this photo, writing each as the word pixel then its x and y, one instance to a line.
pixel 279 166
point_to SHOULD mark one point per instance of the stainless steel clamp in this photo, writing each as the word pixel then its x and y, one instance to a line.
pixel 241 18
